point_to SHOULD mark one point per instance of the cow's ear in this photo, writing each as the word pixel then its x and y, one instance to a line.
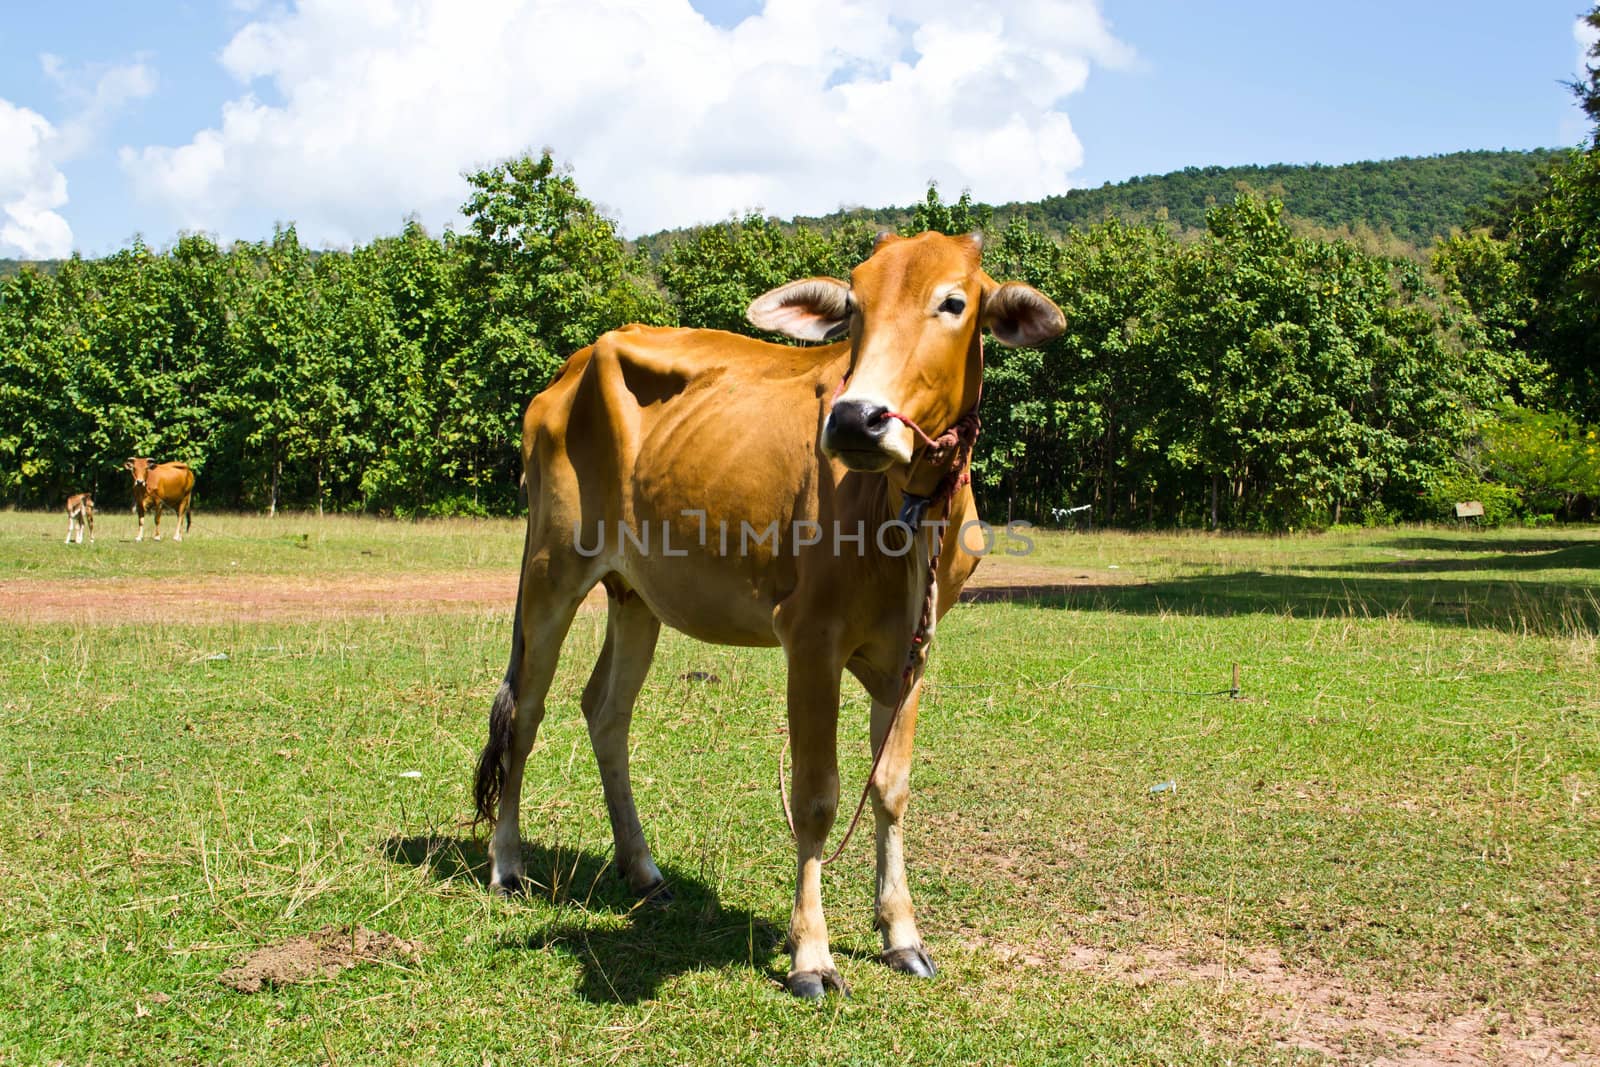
pixel 1019 314
pixel 127 464
pixel 812 309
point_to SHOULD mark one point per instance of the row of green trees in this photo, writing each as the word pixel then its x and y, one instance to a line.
pixel 1254 375
pixel 1251 378
pixel 389 378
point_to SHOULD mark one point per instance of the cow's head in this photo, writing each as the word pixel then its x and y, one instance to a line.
pixel 140 469
pixel 914 312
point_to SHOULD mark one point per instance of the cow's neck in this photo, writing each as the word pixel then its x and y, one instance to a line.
pixel 938 471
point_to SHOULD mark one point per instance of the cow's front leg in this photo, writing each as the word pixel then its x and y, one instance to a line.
pixel 891 791
pixel 139 510
pixel 158 520
pixel 814 785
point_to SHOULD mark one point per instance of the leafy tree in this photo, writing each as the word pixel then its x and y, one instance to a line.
pixel 1538 293
pixel 273 355
pixel 711 274
pixel 963 216
pixel 40 415
pixel 1550 459
pixel 549 274
pixel 419 309
pixel 1073 422
pixel 1252 378
pixel 1557 247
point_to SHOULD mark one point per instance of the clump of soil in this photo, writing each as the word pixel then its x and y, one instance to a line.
pixel 323 954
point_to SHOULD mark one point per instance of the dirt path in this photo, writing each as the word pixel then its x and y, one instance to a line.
pixel 269 598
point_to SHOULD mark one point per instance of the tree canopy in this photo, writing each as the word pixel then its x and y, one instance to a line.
pixel 1257 372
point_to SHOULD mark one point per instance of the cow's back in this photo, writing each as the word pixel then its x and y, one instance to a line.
pixel 172 482
pixel 665 410
pixel 678 435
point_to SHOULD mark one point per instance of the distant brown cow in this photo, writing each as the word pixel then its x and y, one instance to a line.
pixel 158 485
pixel 80 514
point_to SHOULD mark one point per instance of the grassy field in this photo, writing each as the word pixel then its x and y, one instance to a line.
pixel 233 544
pixel 1389 846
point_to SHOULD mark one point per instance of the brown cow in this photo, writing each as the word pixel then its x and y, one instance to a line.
pixel 767 475
pixel 158 485
pixel 80 514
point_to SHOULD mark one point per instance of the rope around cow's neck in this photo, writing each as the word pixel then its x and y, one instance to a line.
pixel 956 443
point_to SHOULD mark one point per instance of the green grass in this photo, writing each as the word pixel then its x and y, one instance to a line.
pixel 1405 802
pixel 30 546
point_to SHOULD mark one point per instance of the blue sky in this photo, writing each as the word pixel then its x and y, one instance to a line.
pixel 229 116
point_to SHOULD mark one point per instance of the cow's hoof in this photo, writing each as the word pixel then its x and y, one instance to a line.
pixel 811 985
pixel 911 961
pixel 508 885
pixel 656 895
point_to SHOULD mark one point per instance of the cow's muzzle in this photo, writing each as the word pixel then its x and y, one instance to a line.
pixel 861 435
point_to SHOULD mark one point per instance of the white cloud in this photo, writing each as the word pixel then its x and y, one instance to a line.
pixel 31 187
pixel 33 149
pixel 353 114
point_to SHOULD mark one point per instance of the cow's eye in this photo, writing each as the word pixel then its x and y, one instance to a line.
pixel 954 304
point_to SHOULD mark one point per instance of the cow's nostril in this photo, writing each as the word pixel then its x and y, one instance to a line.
pixel 857 425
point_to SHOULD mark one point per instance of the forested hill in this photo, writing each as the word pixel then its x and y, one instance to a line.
pixel 1417 198
pixel 8 267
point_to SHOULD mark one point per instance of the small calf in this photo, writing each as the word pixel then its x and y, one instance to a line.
pixel 80 515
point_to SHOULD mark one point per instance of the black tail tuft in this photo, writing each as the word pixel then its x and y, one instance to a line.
pixel 492 763
pixel 491 777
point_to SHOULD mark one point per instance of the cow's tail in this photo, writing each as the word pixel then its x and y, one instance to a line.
pixel 491 777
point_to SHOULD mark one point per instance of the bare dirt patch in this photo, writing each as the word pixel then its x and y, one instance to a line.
pixel 253 598
pixel 268 598
pixel 995 581
pixel 322 954
pixel 1325 1014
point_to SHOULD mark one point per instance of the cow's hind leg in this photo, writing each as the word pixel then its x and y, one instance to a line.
pixel 545 607
pixel 891 791
pixel 631 631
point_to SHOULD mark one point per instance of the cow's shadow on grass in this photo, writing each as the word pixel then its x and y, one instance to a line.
pixel 1435 590
pixel 625 947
